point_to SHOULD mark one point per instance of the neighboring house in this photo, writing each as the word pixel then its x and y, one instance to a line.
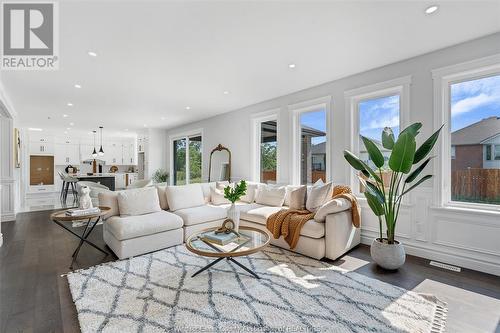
pixel 313 159
pixel 477 145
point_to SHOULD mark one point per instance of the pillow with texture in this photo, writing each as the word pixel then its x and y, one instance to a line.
pixel 251 193
pixel 297 198
pixel 217 197
pixel 271 196
pixel 318 195
pixel 222 184
pixel 184 196
pixel 138 201
pixel 331 207
pixel 162 196
pixel 289 189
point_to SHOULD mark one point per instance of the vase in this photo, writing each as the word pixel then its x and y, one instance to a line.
pixel 388 256
pixel 233 213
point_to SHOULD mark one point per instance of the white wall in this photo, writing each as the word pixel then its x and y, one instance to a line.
pixel 456 236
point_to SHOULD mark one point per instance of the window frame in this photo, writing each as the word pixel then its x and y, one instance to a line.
pixel 256 120
pixel 185 135
pixel 443 78
pixel 398 86
pixel 295 111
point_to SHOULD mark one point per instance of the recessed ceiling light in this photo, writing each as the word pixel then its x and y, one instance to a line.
pixel 65 116
pixel 431 9
pixel 226 92
pixel 69 104
pixel 71 124
pixel 35 129
pixel 65 132
pixel 145 125
pixel 92 54
pixel 188 108
pixel 126 129
pixel 291 65
pixel 77 86
pixel 68 128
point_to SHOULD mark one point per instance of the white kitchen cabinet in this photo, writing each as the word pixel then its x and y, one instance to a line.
pixel 120 182
pixel 41 148
pixel 129 155
pixel 86 152
pixel 113 153
pixel 131 177
pixel 66 153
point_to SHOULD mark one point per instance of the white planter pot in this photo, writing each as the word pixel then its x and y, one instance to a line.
pixel 233 213
pixel 388 256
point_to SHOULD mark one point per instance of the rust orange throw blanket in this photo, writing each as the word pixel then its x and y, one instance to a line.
pixel 289 222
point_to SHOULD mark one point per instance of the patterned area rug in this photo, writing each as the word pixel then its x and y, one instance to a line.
pixel 155 293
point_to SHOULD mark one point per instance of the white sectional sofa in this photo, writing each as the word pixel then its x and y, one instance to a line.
pixel 183 210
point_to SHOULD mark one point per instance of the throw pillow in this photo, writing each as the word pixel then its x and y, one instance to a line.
pixel 138 201
pixel 222 184
pixel 162 195
pixel 271 196
pixel 289 189
pixel 217 197
pixel 318 195
pixel 251 193
pixel 331 207
pixel 185 196
pixel 297 198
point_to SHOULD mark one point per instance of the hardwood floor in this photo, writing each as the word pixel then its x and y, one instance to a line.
pixel 34 297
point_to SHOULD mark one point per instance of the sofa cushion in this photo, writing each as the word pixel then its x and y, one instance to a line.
pixel 310 229
pixel 257 213
pixel 217 197
pixel 143 225
pixel 251 193
pixel 206 187
pixel 271 196
pixel 201 214
pixel 288 191
pixel 162 196
pixel 185 196
pixel 318 195
pixel 138 201
pixel 109 199
pixel 297 198
pixel 331 207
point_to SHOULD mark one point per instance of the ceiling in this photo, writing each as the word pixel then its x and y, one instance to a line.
pixel 156 58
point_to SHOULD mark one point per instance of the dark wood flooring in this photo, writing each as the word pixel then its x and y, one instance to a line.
pixel 34 297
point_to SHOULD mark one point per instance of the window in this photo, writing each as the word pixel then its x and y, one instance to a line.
pixel 371 109
pixel 488 152
pixel 453 152
pixel 187 160
pixel 475 134
pixel 313 161
pixel 268 151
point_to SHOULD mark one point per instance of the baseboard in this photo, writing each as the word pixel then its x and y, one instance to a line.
pixel 8 217
pixel 439 254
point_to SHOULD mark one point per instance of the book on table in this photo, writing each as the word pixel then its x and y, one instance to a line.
pixel 83 212
pixel 218 238
pixel 231 243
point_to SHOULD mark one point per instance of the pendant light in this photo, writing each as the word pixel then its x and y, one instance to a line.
pixel 101 151
pixel 94 153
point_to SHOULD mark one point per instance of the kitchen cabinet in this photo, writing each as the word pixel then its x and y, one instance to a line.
pixel 130 178
pixel 120 181
pixel 66 153
pixel 129 155
pixel 113 154
pixel 86 152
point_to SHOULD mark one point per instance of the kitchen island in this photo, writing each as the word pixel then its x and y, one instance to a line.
pixel 106 179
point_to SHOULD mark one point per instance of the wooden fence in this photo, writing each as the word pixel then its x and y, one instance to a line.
pixel 476 185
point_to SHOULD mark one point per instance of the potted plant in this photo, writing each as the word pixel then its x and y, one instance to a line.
pixel 406 163
pixel 233 194
pixel 160 176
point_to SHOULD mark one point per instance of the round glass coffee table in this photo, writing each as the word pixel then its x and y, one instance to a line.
pixel 251 240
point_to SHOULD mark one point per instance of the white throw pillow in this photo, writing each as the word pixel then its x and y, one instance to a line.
pixel 318 195
pixel 251 193
pixel 162 196
pixel 297 198
pixel 138 201
pixel 217 197
pixel 184 196
pixel 222 184
pixel 271 196
pixel 331 207
pixel 289 189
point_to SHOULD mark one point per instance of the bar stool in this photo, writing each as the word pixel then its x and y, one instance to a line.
pixel 61 175
pixel 67 182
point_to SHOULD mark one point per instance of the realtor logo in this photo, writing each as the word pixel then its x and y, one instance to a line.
pixel 29 36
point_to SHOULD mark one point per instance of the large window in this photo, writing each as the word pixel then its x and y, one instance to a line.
pixel 475 136
pixel 268 151
pixel 187 160
pixel 313 161
pixel 374 115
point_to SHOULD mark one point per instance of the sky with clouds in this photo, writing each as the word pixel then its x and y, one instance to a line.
pixel 472 101
pixel 316 120
pixel 377 113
